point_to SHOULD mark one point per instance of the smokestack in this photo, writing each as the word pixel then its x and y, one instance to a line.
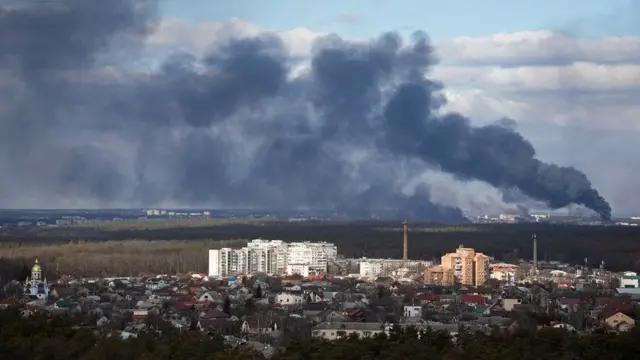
pixel 535 254
pixel 405 239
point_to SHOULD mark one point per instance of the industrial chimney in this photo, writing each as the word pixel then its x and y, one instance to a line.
pixel 405 240
pixel 535 254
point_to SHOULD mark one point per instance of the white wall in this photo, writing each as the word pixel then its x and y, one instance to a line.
pixel 289 298
pixel 298 269
pixel 413 311
pixel 214 263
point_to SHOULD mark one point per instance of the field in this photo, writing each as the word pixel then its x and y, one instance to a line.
pixel 132 247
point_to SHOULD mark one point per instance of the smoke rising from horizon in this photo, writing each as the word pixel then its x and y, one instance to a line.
pixel 85 118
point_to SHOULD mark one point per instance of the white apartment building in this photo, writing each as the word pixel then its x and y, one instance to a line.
pixel 232 261
pixel 377 267
pixel 371 268
pixel 293 269
pixel 214 263
pixel 314 255
pixel 273 257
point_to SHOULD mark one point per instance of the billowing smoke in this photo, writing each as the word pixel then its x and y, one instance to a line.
pixel 85 117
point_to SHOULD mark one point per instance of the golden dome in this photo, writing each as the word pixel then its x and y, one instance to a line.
pixel 36 267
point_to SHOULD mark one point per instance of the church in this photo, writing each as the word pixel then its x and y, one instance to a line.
pixel 36 286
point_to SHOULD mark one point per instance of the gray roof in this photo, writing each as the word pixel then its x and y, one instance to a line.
pixel 630 291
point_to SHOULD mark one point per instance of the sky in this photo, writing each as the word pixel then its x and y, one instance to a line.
pixel 442 19
pixel 170 131
pixel 568 71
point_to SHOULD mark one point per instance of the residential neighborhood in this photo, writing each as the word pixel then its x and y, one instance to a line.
pixel 268 311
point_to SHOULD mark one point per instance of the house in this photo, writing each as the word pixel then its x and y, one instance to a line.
pixel 295 288
pixel 5 303
pixel 216 325
pixel 427 298
pixel 258 325
pixel 333 331
pixel 140 314
pixel 313 297
pixel 413 311
pixel 473 299
pixel 62 292
pixel 508 304
pixel 311 310
pixel 330 315
pixel 289 298
pixel 620 321
pixel 209 296
pixel 293 279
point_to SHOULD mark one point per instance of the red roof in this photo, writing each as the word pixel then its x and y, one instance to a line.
pixel 473 299
pixel 428 297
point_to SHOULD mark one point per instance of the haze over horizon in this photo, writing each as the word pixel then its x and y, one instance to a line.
pixel 111 105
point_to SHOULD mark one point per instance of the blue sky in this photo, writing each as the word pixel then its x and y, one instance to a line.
pixel 440 19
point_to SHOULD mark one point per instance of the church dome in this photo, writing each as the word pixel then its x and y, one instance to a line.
pixel 36 267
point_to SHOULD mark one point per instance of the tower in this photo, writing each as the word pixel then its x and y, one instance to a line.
pixel 405 240
pixel 36 271
pixel 535 254
pixel 36 286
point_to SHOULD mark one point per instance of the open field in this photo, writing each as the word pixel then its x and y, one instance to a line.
pixel 178 247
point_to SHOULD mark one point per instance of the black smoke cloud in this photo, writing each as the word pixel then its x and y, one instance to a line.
pixel 84 118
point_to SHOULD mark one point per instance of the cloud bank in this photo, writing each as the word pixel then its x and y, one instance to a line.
pixel 107 109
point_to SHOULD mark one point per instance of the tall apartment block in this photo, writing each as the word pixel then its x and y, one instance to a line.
pixel 273 257
pixel 465 266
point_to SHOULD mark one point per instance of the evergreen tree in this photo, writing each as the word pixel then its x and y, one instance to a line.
pixel 226 306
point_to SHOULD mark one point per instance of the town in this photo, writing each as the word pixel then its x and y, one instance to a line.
pixel 261 295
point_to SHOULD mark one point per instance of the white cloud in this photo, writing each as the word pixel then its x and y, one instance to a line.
pixel 580 76
pixel 540 47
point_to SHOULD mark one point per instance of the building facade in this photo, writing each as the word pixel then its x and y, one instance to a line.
pixel 273 257
pixel 379 267
pixel 36 286
pixel 504 272
pixel 468 266
pixel 438 275
pixel 629 279
pixel 214 263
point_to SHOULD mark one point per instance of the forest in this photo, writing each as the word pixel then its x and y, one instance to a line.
pixel 56 337
pixel 179 247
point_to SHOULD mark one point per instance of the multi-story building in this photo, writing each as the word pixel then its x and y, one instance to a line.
pixel 378 267
pixel 266 256
pixel 214 263
pixel 438 275
pixel 273 257
pixel 468 266
pixel 315 255
pixel 371 268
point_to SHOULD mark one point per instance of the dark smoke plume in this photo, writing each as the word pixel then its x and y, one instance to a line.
pixel 84 117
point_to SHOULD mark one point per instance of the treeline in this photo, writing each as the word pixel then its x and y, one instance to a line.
pixel 617 246
pixel 114 258
pixel 57 338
